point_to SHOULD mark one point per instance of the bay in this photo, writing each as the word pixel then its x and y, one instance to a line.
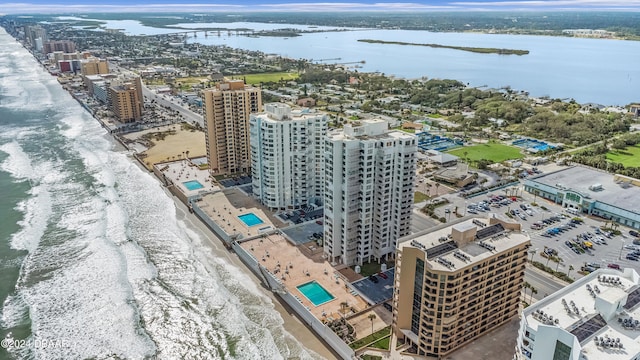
pixel 602 71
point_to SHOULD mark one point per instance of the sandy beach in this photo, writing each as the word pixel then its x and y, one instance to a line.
pixel 291 323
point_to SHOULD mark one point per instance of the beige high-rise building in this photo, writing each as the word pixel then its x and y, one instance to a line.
pixel 227 109
pixel 94 66
pixel 125 99
pixel 454 283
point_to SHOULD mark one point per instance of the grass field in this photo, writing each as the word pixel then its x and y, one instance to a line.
pixel 382 343
pixel 494 152
pixel 267 77
pixel 420 197
pixel 627 157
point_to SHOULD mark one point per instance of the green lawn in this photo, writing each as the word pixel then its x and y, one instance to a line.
pixel 492 151
pixel 627 157
pixel 371 357
pixel 267 77
pixel 420 197
pixel 382 343
pixel 371 338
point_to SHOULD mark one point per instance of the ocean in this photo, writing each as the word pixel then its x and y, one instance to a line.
pixel 95 259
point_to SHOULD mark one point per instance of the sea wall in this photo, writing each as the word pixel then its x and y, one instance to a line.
pixel 270 280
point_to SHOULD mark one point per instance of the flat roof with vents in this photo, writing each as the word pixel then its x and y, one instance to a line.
pixel 578 178
pixel 595 298
pixel 438 242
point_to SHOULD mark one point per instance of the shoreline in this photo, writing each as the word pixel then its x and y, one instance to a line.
pixel 291 323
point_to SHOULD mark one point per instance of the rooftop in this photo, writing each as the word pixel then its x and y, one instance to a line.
pixel 594 307
pixel 613 190
pixel 453 247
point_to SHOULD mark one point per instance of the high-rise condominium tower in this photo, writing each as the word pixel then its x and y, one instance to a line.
pixel 287 156
pixel 227 109
pixel 455 283
pixel 369 177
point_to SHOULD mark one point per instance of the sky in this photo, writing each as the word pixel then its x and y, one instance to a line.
pixel 66 6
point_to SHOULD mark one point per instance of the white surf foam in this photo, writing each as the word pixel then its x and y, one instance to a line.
pixel 117 275
pixel 36 208
pixel 15 312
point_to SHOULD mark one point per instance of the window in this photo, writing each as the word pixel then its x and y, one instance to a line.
pixel 562 351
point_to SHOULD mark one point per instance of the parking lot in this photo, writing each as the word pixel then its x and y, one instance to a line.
pixel 376 288
pixel 554 234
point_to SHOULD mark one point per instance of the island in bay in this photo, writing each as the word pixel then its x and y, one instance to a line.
pixel 481 50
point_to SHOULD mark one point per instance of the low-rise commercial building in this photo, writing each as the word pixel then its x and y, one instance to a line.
pixel 596 317
pixel 590 191
pixel 454 283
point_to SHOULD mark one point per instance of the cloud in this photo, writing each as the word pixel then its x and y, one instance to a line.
pixel 573 4
pixel 356 6
pixel 66 6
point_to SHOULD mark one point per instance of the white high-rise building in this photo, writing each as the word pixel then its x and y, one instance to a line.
pixel 595 317
pixel 369 177
pixel 287 156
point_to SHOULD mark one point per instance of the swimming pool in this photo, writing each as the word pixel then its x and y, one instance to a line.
pixel 193 185
pixel 315 293
pixel 250 219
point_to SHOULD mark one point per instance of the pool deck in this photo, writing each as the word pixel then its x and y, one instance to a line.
pixel 181 171
pixel 223 208
pixel 304 266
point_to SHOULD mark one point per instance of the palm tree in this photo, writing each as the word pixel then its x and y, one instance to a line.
pixel 526 286
pixel 371 317
pixel 533 291
pixel 343 306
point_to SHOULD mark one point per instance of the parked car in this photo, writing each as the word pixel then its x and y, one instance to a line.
pixel 632 257
pixel 634 233
pixel 614 266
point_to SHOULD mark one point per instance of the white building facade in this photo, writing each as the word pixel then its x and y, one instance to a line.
pixel 596 317
pixel 287 156
pixel 368 195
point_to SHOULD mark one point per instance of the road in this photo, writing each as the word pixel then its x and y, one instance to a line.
pixel 421 222
pixel 543 283
pixel 189 115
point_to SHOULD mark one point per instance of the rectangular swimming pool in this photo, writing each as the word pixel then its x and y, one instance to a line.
pixel 315 293
pixel 250 219
pixel 193 185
